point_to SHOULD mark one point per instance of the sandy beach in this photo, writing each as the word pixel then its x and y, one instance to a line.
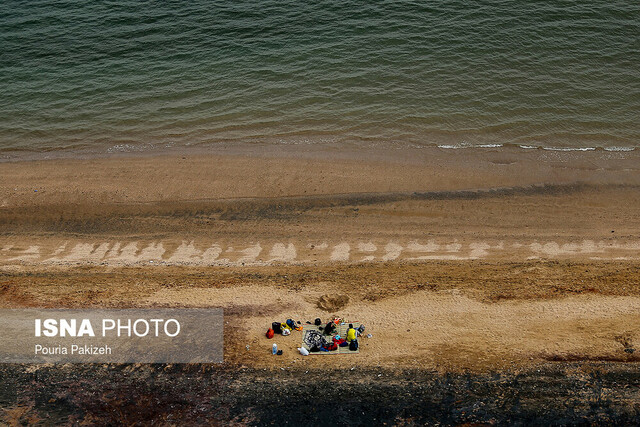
pixel 404 219
pixel 486 262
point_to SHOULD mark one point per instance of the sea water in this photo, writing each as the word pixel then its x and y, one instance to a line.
pixel 142 75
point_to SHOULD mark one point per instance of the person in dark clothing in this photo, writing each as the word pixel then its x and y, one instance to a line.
pixel 330 328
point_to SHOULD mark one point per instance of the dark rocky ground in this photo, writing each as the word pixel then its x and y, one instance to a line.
pixel 598 393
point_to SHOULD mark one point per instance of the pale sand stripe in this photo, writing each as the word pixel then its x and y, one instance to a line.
pixel 207 253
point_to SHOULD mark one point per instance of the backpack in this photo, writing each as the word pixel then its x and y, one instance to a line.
pixel 270 333
pixel 291 323
pixel 354 345
pixel 276 327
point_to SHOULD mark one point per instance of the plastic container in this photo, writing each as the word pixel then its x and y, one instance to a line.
pixel 274 348
pixel 303 351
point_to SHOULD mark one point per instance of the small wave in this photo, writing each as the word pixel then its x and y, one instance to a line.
pixel 452 147
pixel 569 148
pixel 533 147
pixel 619 148
pixel 587 148
pixel 489 145
pixel 133 148
pixel 467 145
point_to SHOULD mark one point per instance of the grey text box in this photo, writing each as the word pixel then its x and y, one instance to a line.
pixel 111 336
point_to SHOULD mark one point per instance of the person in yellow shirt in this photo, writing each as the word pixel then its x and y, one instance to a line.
pixel 351 333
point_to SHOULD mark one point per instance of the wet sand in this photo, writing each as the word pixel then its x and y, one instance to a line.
pixel 255 210
pixel 482 262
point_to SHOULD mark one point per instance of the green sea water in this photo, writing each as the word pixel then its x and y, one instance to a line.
pixel 143 75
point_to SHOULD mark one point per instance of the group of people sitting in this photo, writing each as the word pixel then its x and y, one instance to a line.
pixel 318 340
pixel 324 338
pixel 351 339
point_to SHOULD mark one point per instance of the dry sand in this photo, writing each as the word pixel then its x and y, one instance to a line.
pixel 448 316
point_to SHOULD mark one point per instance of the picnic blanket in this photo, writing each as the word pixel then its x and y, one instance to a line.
pixel 312 335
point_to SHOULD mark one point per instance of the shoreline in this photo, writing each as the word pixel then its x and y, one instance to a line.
pixel 363 151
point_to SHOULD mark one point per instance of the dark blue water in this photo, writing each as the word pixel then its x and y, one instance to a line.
pixel 136 75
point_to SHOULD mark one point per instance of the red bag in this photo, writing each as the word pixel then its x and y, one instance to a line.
pixel 270 333
pixel 331 347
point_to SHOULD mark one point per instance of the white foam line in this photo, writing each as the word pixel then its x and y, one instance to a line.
pixel 569 148
pixel 619 148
